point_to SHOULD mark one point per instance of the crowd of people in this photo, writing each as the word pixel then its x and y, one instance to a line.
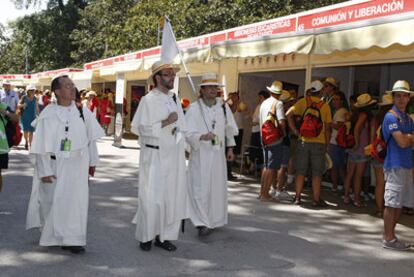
pixel 293 139
pixel 321 135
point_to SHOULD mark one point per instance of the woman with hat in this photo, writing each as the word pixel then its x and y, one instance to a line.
pixel 29 109
pixel 384 106
pixel 357 161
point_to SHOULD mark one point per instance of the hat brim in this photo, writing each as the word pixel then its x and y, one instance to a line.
pixel 211 84
pixel 400 90
pixel 174 67
pixel 372 102
pixel 274 91
pixel 330 83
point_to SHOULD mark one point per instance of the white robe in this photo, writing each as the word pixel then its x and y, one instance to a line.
pixel 162 184
pixel 207 164
pixel 60 209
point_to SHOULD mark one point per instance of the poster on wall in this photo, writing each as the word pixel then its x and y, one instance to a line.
pixel 136 94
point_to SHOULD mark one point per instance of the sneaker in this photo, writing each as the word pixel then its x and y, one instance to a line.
pixel 283 195
pixel 395 244
pixel 273 193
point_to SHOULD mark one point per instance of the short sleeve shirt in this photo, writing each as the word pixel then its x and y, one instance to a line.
pixel 326 117
pixel 397 157
pixel 266 107
pixel 339 116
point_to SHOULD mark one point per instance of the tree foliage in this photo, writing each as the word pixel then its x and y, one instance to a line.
pixel 73 32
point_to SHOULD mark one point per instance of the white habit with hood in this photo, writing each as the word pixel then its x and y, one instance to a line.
pixel 162 184
pixel 207 165
pixel 60 208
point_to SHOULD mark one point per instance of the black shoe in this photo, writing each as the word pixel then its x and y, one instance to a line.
pixel 74 249
pixel 145 246
pixel 166 245
pixel 204 231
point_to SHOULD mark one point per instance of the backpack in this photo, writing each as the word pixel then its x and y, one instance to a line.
pixel 378 149
pixel 344 139
pixel 13 132
pixel 312 124
pixel 270 132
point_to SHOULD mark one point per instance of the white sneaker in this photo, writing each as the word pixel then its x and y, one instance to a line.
pixel 273 192
pixel 283 195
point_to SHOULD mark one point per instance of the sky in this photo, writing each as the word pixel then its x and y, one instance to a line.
pixel 9 12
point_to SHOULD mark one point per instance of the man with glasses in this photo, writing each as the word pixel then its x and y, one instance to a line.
pixel 162 187
pixel 64 147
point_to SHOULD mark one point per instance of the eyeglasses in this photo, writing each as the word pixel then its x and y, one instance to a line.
pixel 168 74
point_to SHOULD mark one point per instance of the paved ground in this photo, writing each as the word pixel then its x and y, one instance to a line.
pixel 261 239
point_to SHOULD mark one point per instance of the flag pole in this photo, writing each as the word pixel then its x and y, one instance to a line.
pixel 187 73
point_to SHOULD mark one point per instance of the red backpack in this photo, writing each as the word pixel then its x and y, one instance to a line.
pixel 270 132
pixel 13 132
pixel 343 139
pixel 312 124
pixel 379 145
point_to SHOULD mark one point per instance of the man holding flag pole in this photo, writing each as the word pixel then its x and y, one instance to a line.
pixel 159 122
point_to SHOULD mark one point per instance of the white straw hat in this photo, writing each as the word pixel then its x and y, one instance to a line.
pixel 386 100
pixel 401 86
pixel 276 88
pixel 210 79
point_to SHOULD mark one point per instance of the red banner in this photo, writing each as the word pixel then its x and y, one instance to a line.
pixel 354 13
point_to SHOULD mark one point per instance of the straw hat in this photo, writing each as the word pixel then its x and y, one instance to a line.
pixel 160 65
pixel 30 87
pixel 401 86
pixel 285 96
pixel 316 86
pixel 331 81
pixel 276 88
pixel 210 79
pixel 364 100
pixel 90 93
pixel 386 100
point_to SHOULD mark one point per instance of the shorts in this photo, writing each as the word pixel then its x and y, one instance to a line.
pixel 376 163
pixel 285 155
pixel 357 158
pixel 310 155
pixel 272 156
pixel 4 161
pixel 337 155
pixel 398 188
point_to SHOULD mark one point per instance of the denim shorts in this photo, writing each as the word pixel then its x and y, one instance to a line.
pixel 357 158
pixel 337 155
pixel 398 188
pixel 273 156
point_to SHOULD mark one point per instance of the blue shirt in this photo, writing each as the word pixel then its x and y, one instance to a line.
pixel 397 157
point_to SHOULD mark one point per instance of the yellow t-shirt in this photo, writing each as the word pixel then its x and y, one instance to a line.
pixel 326 117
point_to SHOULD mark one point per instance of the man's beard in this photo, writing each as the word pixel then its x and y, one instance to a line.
pixel 167 84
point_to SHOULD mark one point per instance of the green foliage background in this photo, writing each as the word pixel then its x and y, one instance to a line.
pixel 70 33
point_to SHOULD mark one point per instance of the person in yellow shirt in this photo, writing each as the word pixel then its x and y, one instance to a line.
pixel 312 145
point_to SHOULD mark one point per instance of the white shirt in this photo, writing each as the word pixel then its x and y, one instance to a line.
pixel 266 107
pixel 339 116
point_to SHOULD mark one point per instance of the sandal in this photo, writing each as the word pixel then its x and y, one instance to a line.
pixel 319 204
pixel 166 245
pixel 359 204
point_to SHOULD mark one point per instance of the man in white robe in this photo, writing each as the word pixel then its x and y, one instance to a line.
pixel 65 153
pixel 162 187
pixel 210 128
